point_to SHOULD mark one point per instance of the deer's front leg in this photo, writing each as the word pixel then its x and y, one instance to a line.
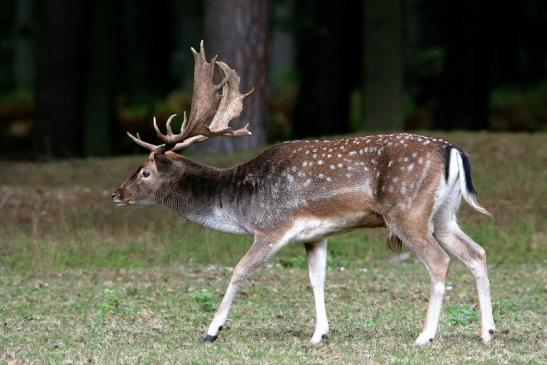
pixel 257 255
pixel 317 265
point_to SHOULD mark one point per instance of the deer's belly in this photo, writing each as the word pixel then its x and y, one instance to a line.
pixel 306 229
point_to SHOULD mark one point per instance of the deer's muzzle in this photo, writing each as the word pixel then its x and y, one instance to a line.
pixel 116 197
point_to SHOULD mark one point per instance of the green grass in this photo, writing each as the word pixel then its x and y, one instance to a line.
pixel 82 280
pixel 159 316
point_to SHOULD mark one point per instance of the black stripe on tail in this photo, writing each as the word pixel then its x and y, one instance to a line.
pixel 466 167
pixel 467 172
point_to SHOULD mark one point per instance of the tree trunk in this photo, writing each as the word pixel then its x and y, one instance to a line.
pixel 61 74
pixel 238 32
pixel 326 59
pixel 465 83
pixel 383 65
pixel 23 58
pixel 146 48
pixel 100 93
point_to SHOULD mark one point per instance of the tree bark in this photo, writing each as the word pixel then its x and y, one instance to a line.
pixel 326 61
pixel 383 65
pixel 61 76
pixel 238 32
pixel 146 48
pixel 23 58
pixel 465 83
pixel 100 92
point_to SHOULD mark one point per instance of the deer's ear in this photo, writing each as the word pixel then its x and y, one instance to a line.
pixel 163 163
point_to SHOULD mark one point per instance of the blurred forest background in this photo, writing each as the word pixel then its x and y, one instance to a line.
pixel 75 75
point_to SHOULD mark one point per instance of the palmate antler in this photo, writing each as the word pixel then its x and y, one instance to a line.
pixel 222 102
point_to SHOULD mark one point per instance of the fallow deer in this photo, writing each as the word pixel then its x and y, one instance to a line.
pixel 304 191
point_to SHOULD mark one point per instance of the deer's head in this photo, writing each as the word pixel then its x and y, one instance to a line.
pixel 213 107
pixel 144 185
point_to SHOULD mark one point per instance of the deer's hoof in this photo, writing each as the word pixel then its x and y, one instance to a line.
pixel 316 339
pixel 424 339
pixel 210 339
pixel 486 338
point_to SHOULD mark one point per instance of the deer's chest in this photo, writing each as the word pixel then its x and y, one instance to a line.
pixel 219 219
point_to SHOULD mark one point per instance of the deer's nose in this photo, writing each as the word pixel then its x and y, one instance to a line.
pixel 116 194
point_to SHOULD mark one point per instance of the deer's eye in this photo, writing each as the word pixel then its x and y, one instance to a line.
pixel 145 173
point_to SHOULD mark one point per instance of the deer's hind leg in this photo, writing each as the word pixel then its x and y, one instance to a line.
pixel 451 237
pixel 413 230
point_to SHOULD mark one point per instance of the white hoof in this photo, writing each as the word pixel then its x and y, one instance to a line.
pixel 424 339
pixel 486 336
pixel 317 337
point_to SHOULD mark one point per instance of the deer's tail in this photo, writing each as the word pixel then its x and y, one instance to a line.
pixel 458 162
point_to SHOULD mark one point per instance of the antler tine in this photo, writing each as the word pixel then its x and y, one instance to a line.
pixel 248 93
pixel 168 124
pixel 201 52
pixel 184 120
pixel 221 84
pixel 170 137
pixel 157 129
pixel 148 146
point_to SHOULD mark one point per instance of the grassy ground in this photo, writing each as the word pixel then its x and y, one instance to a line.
pixel 159 315
pixel 84 281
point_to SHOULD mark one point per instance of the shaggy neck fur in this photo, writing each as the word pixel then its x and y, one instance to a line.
pixel 204 195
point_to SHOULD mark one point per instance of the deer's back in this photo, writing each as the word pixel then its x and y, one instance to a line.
pixel 354 179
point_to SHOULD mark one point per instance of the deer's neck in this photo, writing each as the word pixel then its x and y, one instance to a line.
pixel 207 196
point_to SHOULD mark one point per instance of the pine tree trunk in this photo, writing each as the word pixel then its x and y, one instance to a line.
pixel 101 70
pixel 383 65
pixel 465 83
pixel 238 32
pixel 326 60
pixel 23 58
pixel 61 73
